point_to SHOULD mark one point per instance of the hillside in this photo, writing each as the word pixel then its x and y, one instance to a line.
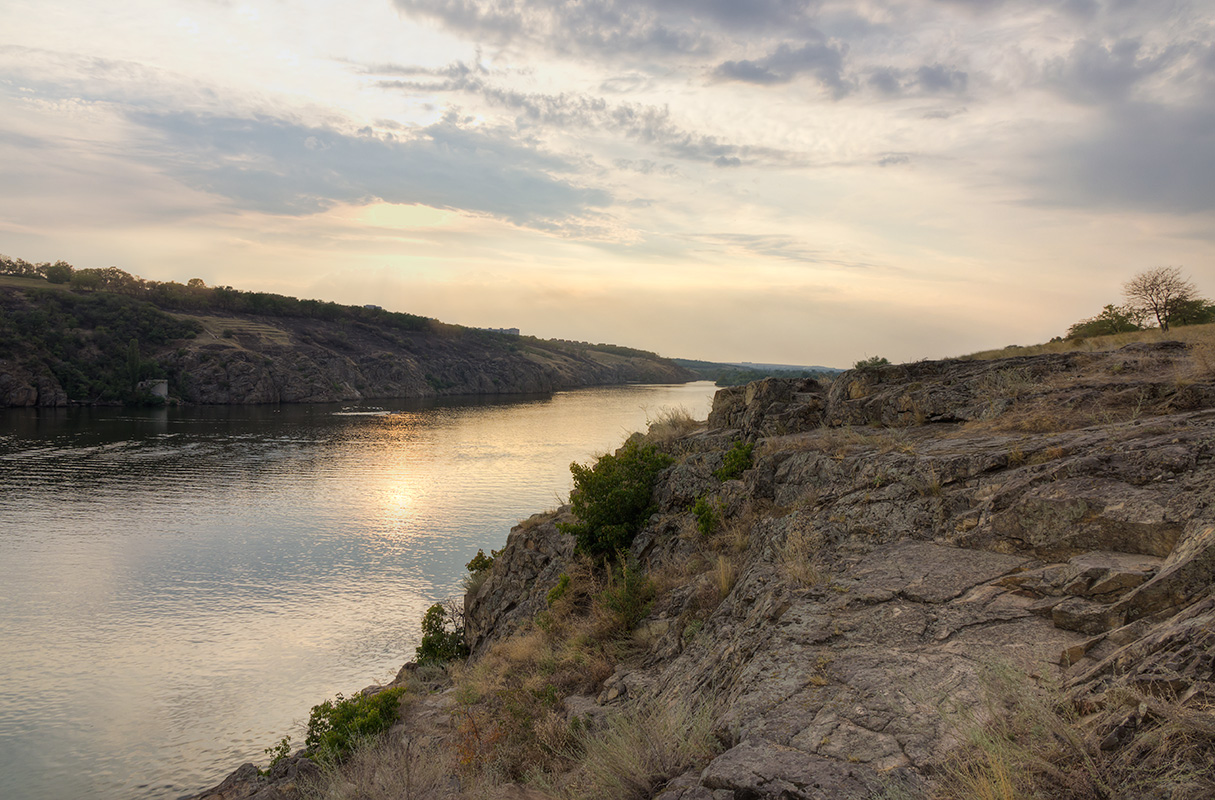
pixel 954 579
pixel 66 345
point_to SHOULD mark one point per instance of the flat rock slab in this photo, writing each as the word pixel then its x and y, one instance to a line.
pixel 929 573
pixel 760 769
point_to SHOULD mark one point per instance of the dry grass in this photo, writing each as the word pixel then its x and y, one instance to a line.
pixel 33 283
pixel 797 556
pixel 509 713
pixel 1004 384
pixel 670 423
pixel 841 442
pixel 214 327
pixel 1022 742
pixel 725 575
pixel 1028 742
pixel 396 768
pixel 1195 335
pixel 1176 751
pixel 641 749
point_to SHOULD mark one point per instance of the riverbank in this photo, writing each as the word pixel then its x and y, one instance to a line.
pixel 71 347
pixel 927 580
pixel 221 569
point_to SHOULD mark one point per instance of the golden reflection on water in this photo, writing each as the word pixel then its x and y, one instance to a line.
pixel 180 588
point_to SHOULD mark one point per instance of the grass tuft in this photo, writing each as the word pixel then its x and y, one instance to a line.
pixel 641 749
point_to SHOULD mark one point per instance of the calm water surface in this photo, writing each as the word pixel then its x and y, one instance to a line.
pixel 178 587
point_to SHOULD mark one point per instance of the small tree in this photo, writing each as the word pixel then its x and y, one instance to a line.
pixel 1159 292
pixel 1112 319
pixel 613 499
pixel 1193 312
pixel 439 643
pixel 59 272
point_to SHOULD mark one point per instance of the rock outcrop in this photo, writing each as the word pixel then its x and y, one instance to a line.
pixel 906 531
pixel 915 551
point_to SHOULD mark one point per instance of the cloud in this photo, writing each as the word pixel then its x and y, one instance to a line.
pixel 1079 8
pixel 782 248
pixel 283 167
pixel 614 27
pixel 928 79
pixel 648 124
pixel 822 59
pixel 1144 156
pixel 894 159
pixel 939 78
pixel 1098 73
pixel 592 25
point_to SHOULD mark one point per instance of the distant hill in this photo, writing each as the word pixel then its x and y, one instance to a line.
pixel 738 373
pixel 93 335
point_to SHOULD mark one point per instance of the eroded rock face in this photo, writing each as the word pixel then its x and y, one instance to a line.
pixel 866 581
pixel 19 388
pixel 941 550
pixel 529 565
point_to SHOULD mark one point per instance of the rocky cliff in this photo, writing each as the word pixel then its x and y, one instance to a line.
pixel 68 347
pixel 946 579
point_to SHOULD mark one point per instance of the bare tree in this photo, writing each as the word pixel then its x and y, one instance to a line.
pixel 1159 292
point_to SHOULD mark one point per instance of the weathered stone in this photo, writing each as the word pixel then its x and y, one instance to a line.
pixel 1085 616
pixel 527 568
pixel 1185 575
pixel 940 553
pixel 760 769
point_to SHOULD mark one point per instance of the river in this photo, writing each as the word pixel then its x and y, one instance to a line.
pixel 179 586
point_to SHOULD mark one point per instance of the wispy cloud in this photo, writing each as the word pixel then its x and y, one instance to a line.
pixel 648 124
pixel 822 59
pixel 283 167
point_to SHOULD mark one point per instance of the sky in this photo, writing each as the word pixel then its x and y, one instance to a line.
pixel 788 181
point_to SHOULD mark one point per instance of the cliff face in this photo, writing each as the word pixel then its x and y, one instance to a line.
pixel 302 361
pixel 940 580
pixel 57 355
pixel 903 537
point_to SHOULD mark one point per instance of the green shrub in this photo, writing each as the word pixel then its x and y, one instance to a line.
pixel 478 570
pixel 481 562
pixel 706 515
pixel 558 591
pixel 336 726
pixel 737 461
pixel 871 362
pixel 613 499
pixel 440 645
pixel 629 595
pixel 277 753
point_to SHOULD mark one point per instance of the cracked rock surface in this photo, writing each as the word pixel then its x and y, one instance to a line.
pixel 945 542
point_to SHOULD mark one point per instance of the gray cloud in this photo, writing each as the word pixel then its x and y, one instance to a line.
pixel 613 26
pixel 928 79
pixel 1080 8
pixel 648 124
pixel 1143 156
pixel 939 78
pixel 1099 73
pixel 822 59
pixel 645 166
pixel 283 167
pixel 588 25
pixel 785 248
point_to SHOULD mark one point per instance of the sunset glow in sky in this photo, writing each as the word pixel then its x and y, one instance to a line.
pixel 792 181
